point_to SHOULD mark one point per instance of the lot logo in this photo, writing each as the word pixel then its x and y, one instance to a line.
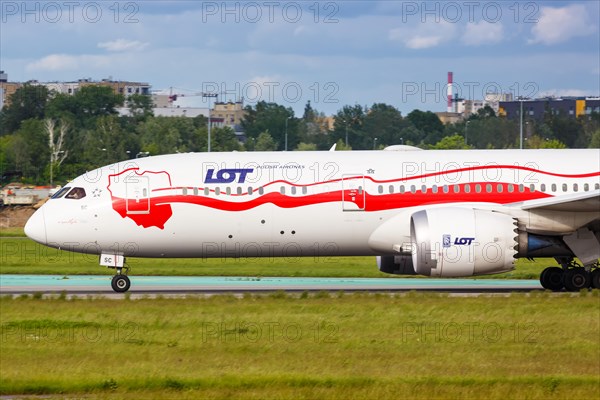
pixel 459 241
pixel 227 175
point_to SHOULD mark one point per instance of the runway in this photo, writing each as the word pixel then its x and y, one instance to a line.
pixel 155 285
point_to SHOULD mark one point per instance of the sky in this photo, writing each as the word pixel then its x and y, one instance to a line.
pixel 333 53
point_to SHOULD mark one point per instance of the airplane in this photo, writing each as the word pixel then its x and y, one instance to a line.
pixel 439 213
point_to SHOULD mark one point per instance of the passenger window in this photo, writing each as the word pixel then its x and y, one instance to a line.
pixel 510 188
pixel 61 192
pixel 379 189
pixel 293 189
pixel 554 187
pixel 228 191
pixel 575 187
pixel 597 186
pixel 564 187
pixel 543 187
pixel 305 190
pixel 250 190
pixel 499 188
pixel 239 190
pixel 446 189
pixel 76 193
pixel 467 188
pixel 521 188
pixel 532 188
pixel 456 188
pixel 586 187
pixel 423 189
pixel 488 188
pixel 478 188
pixel 195 191
pixel 282 190
pixel 261 190
pixel 184 191
pixel 434 189
pixel 217 191
pixel 391 188
pixel 413 189
pixel 401 189
pixel 206 191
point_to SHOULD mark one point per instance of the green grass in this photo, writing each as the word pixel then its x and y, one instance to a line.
pixel 420 345
pixel 12 232
pixel 24 256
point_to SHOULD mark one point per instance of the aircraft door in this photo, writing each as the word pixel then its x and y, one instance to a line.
pixel 353 192
pixel 137 194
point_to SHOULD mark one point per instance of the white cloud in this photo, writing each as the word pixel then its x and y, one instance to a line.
pixel 423 36
pixel 482 32
pixel 557 25
pixel 123 45
pixel 59 62
pixel 567 93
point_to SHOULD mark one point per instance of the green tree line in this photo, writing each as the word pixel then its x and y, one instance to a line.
pixel 88 132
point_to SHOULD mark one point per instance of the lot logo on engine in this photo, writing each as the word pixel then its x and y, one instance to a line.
pixel 463 241
pixel 459 241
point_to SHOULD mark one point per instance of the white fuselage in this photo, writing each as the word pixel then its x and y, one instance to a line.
pixel 290 204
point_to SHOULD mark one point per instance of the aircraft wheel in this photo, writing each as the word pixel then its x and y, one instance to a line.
pixel 577 279
pixel 120 283
pixel 552 278
pixel 596 278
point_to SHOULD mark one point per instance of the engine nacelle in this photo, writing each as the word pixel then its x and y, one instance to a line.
pixel 453 241
pixel 397 265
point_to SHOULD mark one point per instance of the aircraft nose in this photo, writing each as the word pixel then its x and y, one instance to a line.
pixel 35 228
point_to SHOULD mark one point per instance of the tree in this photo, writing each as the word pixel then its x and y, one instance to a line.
pixel 265 142
pixel 536 142
pixel 456 142
pixel 595 141
pixel 428 123
pixel 28 102
pixel 273 118
pixel 348 123
pixel 140 106
pixel 58 154
pixel 306 147
pixel 385 123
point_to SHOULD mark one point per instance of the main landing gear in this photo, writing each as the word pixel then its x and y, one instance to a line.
pixel 572 276
pixel 120 282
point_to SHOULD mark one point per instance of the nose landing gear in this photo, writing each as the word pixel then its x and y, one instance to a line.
pixel 120 282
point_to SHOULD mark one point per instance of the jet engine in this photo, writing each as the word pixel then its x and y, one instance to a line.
pixel 453 241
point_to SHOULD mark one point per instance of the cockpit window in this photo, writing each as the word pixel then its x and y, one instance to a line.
pixel 76 193
pixel 61 192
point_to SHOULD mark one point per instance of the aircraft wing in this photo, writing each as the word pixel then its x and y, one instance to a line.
pixel 583 202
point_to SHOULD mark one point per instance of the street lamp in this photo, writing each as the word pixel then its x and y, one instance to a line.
pixel 374 143
pixel 521 124
pixel 286 131
pixel 209 95
pixel 142 154
pixel 467 133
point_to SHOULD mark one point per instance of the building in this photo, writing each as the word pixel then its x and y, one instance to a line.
pixel 231 113
pixel 536 109
pixel 7 89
